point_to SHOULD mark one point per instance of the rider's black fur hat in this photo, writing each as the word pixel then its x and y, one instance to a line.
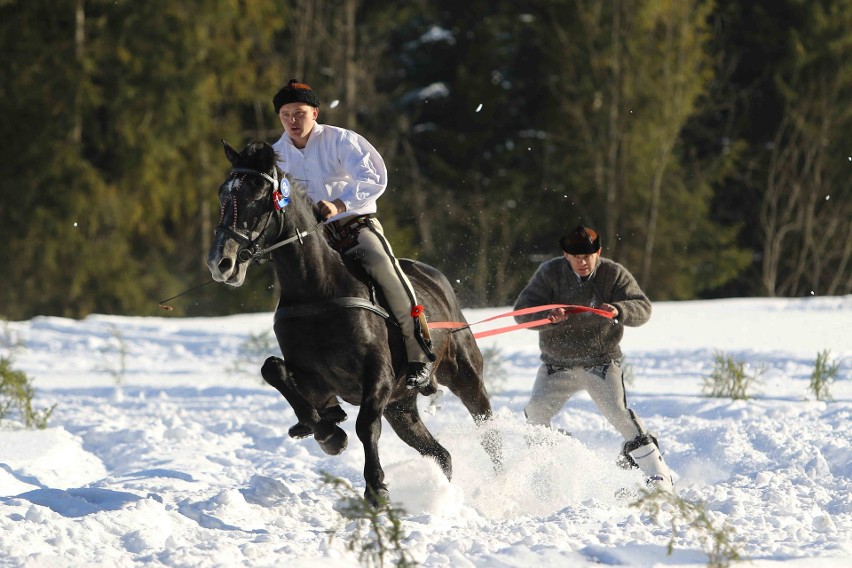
pixel 582 240
pixel 295 92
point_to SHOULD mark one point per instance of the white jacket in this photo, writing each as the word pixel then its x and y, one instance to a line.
pixel 336 164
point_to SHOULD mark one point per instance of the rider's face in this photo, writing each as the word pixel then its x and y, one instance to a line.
pixel 583 264
pixel 298 120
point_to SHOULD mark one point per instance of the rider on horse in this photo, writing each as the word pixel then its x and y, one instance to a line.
pixel 345 175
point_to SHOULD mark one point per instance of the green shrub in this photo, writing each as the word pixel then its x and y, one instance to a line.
pixel 252 352
pixel 729 378
pixel 823 375
pixel 10 339
pixel 690 517
pixel 117 365
pixel 378 530
pixel 16 395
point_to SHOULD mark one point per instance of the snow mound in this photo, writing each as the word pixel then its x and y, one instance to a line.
pixel 37 459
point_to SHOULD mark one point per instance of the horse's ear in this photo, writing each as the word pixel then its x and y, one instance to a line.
pixel 230 153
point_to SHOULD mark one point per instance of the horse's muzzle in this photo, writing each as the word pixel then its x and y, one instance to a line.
pixel 224 261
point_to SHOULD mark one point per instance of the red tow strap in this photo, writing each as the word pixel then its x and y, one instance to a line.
pixel 570 308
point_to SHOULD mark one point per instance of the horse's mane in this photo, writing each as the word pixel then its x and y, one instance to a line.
pixel 261 156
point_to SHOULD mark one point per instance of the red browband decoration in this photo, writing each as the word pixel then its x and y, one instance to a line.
pixel 416 311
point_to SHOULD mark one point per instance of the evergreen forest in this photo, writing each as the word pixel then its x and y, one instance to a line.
pixel 703 140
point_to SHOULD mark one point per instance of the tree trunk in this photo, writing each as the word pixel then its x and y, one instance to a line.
pixel 76 133
pixel 612 171
pixel 352 79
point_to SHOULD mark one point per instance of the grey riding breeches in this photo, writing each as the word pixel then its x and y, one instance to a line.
pixel 374 253
pixel 605 385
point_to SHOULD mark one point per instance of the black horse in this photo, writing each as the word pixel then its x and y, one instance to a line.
pixel 337 341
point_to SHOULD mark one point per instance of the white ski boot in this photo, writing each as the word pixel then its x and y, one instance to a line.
pixel 649 459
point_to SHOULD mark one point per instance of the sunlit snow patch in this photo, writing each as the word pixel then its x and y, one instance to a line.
pixel 41 458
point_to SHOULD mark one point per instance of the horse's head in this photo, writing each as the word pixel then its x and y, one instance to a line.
pixel 250 200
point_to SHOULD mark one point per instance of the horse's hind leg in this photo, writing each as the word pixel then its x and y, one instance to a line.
pixel 466 382
pixel 328 435
pixel 329 411
pixel 405 420
pixel 463 371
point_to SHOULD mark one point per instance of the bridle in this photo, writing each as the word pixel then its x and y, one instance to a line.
pixel 252 250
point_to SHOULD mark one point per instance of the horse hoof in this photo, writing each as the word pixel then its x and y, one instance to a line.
pixel 445 462
pixel 333 414
pixel 377 497
pixel 299 431
pixel 334 442
pixel 273 370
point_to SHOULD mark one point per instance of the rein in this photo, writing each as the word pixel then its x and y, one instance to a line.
pixel 297 237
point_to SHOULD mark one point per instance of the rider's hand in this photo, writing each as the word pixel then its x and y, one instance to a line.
pixel 609 308
pixel 331 208
pixel 557 315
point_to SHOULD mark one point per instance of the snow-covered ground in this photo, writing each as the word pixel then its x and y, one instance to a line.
pixel 188 462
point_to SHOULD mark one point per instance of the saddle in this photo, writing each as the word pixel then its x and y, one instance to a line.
pixel 343 235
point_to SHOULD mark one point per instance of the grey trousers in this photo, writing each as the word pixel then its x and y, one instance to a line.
pixel 374 253
pixel 605 386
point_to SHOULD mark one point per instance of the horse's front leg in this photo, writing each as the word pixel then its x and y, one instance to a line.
pixel 331 438
pixel 405 420
pixel 368 426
